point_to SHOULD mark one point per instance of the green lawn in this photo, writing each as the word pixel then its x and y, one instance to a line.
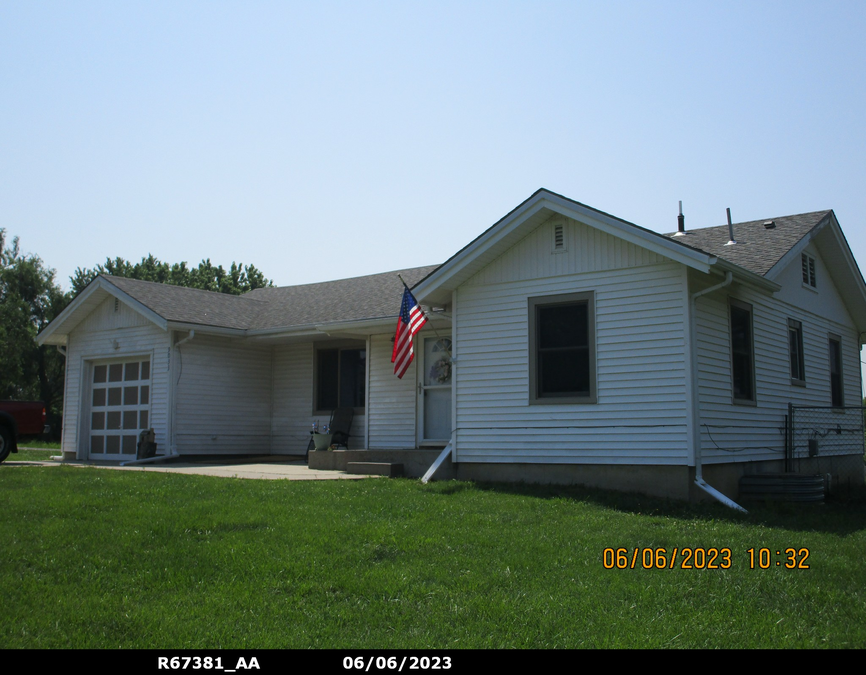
pixel 33 453
pixel 99 558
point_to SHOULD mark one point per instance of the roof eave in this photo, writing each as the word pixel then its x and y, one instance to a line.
pixel 319 328
pixel 205 328
pixel 744 276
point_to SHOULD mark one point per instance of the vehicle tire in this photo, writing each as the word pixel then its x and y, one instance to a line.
pixel 5 443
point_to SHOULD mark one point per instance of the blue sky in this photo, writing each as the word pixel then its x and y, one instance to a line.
pixel 334 139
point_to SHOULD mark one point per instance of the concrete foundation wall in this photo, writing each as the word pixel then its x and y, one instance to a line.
pixel 672 482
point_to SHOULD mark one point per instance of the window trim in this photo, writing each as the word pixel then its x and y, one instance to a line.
pixel 794 325
pixel 339 346
pixel 733 303
pixel 533 304
pixel 832 337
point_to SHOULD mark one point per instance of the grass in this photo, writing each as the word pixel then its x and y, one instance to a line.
pixel 107 559
pixel 39 444
pixel 31 452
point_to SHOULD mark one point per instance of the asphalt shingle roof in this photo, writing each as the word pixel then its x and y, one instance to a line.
pixel 192 305
pixel 377 296
pixel 758 248
pixel 371 297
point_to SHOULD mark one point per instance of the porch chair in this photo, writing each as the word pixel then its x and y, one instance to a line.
pixel 340 425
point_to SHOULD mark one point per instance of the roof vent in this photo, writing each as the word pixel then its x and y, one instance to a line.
pixel 681 222
pixel 770 224
pixel 558 237
pixel 731 240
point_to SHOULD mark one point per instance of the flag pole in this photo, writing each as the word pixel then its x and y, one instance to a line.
pixel 406 286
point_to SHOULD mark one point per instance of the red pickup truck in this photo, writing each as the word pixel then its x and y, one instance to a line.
pixel 19 419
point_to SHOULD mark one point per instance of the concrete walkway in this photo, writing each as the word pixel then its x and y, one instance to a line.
pixel 266 468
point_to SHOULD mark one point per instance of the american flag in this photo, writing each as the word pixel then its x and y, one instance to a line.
pixel 409 322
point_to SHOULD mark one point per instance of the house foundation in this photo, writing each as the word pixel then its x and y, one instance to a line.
pixel 673 482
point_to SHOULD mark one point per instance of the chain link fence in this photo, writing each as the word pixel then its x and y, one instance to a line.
pixel 828 441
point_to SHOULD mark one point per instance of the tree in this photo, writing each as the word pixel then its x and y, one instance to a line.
pixel 29 300
pixel 238 279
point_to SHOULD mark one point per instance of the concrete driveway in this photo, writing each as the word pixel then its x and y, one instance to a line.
pixel 267 468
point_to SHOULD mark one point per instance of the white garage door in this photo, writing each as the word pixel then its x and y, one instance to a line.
pixel 120 407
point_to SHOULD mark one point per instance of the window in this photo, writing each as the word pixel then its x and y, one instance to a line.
pixel 837 398
pixel 795 350
pixel 742 353
pixel 340 378
pixel 562 349
pixel 808 263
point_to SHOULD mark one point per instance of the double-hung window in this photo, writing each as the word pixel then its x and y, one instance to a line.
pixel 742 353
pixel 795 352
pixel 562 349
pixel 837 395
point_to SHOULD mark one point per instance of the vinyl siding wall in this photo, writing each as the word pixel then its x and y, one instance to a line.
pixel 392 400
pixel 94 339
pixel 734 432
pixel 640 414
pixel 223 396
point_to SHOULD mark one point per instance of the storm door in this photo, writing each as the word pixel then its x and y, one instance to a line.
pixel 434 391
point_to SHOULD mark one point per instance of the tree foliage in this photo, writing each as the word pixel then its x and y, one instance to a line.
pixel 238 279
pixel 29 300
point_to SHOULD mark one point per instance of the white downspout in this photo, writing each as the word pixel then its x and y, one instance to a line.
pixel 63 350
pixel 696 420
pixel 173 445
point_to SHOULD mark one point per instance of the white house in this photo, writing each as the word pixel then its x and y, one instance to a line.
pixel 564 345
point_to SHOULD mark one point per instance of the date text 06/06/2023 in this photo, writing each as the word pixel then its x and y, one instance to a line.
pixel 700 558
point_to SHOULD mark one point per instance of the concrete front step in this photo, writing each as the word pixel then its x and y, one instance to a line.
pixel 375 468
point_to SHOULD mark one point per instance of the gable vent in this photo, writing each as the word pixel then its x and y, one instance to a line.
pixel 808 263
pixel 116 305
pixel 559 237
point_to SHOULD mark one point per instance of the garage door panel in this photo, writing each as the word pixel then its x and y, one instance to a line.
pixel 120 407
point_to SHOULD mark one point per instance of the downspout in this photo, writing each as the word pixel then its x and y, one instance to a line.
pixel 696 421
pixel 172 446
pixel 63 351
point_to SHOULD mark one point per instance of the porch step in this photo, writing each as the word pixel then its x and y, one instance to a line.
pixel 375 468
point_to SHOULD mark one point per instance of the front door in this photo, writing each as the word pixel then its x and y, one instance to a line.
pixel 434 392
